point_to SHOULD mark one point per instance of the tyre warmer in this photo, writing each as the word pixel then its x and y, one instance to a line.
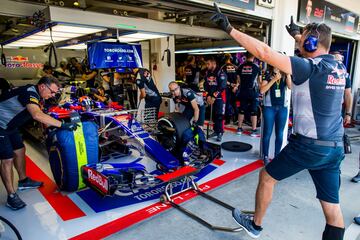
pixel 69 150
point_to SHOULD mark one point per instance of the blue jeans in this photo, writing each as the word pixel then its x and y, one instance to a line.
pixel 277 115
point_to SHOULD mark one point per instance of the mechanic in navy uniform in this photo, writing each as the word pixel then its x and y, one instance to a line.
pixel 194 104
pixel 192 74
pixel 214 86
pixel 250 79
pixel 317 143
pixel 17 106
pixel 232 85
pixel 148 90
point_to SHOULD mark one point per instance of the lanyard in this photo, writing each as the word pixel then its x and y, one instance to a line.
pixel 278 83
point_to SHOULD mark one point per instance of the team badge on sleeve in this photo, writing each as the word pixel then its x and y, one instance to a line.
pixel 34 100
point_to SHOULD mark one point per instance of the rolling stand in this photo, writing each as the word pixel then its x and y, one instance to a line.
pixel 188 181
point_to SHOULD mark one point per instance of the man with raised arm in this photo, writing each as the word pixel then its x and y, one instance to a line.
pixel 316 145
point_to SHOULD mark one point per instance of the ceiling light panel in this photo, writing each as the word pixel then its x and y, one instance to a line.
pixel 60 32
pixel 80 46
pixel 204 50
pixel 139 36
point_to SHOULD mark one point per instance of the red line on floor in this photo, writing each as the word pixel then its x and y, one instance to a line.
pixel 218 162
pixel 142 214
pixel 63 205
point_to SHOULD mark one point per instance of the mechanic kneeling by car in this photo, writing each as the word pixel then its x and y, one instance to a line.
pixel 194 104
pixel 17 106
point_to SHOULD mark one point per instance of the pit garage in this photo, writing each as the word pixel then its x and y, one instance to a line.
pixel 123 164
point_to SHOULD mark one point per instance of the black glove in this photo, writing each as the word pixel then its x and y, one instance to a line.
pixel 221 20
pixel 194 125
pixel 69 126
pixel 292 28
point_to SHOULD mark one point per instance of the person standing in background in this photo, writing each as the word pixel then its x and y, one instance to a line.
pixel 148 90
pixel 232 85
pixel 89 76
pixel 250 78
pixel 214 86
pixel 192 74
pixel 194 104
pixel 106 76
pixel 274 85
pixel 62 73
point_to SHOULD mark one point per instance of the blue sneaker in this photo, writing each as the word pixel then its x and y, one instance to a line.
pixel 357 220
pixel 29 183
pixel 245 221
pixel 356 179
pixel 239 131
pixel 254 133
pixel 266 160
pixel 14 202
pixel 219 137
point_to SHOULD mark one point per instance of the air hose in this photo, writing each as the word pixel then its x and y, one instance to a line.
pixel 3 58
pixel 52 53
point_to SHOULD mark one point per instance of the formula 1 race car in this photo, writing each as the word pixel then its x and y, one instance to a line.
pixel 170 144
pixel 132 146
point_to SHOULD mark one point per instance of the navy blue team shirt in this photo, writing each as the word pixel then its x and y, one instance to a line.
pixel 215 83
pixel 13 111
pixel 317 95
pixel 248 73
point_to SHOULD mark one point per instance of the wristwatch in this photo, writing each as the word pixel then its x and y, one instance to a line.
pixel 348 113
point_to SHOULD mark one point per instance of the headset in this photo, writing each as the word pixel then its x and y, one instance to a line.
pixel 311 41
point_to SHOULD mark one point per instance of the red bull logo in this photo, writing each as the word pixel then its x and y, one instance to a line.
pixel 19 59
pixel 98 180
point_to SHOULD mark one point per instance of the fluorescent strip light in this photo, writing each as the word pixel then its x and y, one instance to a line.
pixel 139 36
pixel 60 32
pixel 203 50
pixel 37 37
pixel 83 30
pixel 207 53
pixel 26 40
pixel 25 44
pixel 80 46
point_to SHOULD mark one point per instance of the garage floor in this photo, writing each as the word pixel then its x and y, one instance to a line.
pixel 294 214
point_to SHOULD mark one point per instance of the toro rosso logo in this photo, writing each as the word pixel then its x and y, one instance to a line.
pixel 97 180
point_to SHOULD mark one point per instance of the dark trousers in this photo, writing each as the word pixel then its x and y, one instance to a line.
pixel 153 103
pixel 218 115
pixel 189 114
pixel 230 108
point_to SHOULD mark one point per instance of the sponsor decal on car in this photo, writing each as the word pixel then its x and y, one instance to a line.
pixel 97 180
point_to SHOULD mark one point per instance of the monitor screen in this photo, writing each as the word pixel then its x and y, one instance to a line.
pixel 114 55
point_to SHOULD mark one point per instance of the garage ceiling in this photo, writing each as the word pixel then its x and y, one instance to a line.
pixel 182 12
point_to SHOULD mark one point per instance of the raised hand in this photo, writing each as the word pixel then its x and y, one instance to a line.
pixel 221 20
pixel 292 28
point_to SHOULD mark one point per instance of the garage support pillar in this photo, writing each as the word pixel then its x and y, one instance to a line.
pixel 163 74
